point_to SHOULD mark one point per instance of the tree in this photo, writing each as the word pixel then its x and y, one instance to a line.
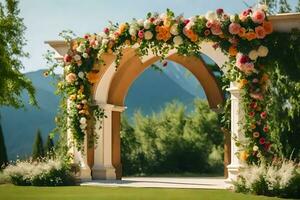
pixel 38 148
pixel 284 6
pixel 272 5
pixel 12 81
pixel 49 146
pixel 3 155
pixel 297 9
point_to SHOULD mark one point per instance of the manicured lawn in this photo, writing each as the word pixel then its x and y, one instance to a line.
pixel 10 192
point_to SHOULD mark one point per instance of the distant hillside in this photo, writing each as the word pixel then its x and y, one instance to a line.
pixel 148 93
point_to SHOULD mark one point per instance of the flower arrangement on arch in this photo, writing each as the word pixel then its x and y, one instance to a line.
pixel 240 36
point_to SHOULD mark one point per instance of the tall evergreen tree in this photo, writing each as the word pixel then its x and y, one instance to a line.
pixel 284 7
pixel 12 40
pixel 272 5
pixel 3 155
pixel 49 146
pixel 38 147
pixel 297 9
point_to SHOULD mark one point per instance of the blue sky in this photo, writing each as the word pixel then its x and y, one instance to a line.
pixel 45 19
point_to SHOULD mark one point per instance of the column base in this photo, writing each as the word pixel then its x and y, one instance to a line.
pixel 85 174
pixel 106 173
pixel 233 172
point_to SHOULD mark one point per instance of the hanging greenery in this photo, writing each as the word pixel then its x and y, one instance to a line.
pixel 246 38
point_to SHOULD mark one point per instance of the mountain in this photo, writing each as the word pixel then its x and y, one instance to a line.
pixel 148 93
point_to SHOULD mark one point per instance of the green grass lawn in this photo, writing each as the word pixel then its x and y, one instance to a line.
pixel 10 192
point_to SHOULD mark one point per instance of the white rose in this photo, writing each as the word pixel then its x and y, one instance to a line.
pixel 85 55
pixel 174 29
pixel 177 40
pixel 81 48
pixel 140 22
pixel 148 35
pixel 83 126
pixel 210 16
pixel 81 75
pixel 262 51
pixel 255 148
pixel 84 101
pixel 82 120
pixel 77 57
pixel 147 24
pixel 132 31
pixel 163 16
pixel 232 18
pixel 104 42
pixel 253 55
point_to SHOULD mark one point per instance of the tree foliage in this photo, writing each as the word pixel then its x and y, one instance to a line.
pixel 49 147
pixel 173 141
pixel 12 81
pixel 38 148
pixel 284 6
pixel 3 154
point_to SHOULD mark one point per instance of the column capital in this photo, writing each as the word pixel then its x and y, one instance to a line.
pixel 233 88
pixel 111 107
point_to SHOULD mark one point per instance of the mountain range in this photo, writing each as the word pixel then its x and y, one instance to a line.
pixel 149 93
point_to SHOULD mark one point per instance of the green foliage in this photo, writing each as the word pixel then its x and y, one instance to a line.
pixel 38 148
pixel 173 141
pixel 3 154
pixel 284 6
pixel 49 147
pixel 297 9
pixel 12 81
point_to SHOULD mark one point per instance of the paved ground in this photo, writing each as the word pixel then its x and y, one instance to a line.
pixel 163 182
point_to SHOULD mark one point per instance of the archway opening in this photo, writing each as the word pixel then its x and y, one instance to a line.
pixel 123 80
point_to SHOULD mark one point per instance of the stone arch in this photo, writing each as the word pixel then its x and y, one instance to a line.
pixel 111 90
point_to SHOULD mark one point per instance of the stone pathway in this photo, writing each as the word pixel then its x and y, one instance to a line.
pixel 163 182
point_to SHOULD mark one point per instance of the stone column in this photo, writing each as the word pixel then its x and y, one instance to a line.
pixel 78 157
pixel 103 155
pixel 236 132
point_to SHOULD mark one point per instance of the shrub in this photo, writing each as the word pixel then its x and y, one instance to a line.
pixel 42 173
pixel 280 179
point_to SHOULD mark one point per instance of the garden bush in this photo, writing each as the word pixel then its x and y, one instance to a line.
pixel 281 178
pixel 38 173
pixel 173 141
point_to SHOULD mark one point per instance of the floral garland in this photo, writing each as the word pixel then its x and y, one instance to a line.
pixel 240 36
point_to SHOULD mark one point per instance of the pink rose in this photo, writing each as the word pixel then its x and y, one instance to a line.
pixel 258 16
pixel 106 30
pixel 257 96
pixel 262 140
pixel 263 115
pixel 241 59
pixel 219 11
pixel 248 68
pixel 141 34
pixel 209 24
pixel 186 21
pixel 71 78
pixel 234 28
pixel 67 58
pixel 216 28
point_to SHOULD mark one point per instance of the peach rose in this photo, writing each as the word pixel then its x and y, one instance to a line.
pixel 216 29
pixel 260 32
pixel 232 51
pixel 268 27
pixel 234 28
pixel 71 78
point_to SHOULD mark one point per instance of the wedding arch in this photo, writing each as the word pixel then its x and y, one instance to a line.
pixel 99 69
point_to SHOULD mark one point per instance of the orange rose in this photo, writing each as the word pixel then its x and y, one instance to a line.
pixel 122 28
pixel 242 83
pixel 268 26
pixel 242 32
pixel 92 77
pixel 260 32
pixel 244 155
pixel 264 78
pixel 232 51
pixel 250 35
pixel 163 33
